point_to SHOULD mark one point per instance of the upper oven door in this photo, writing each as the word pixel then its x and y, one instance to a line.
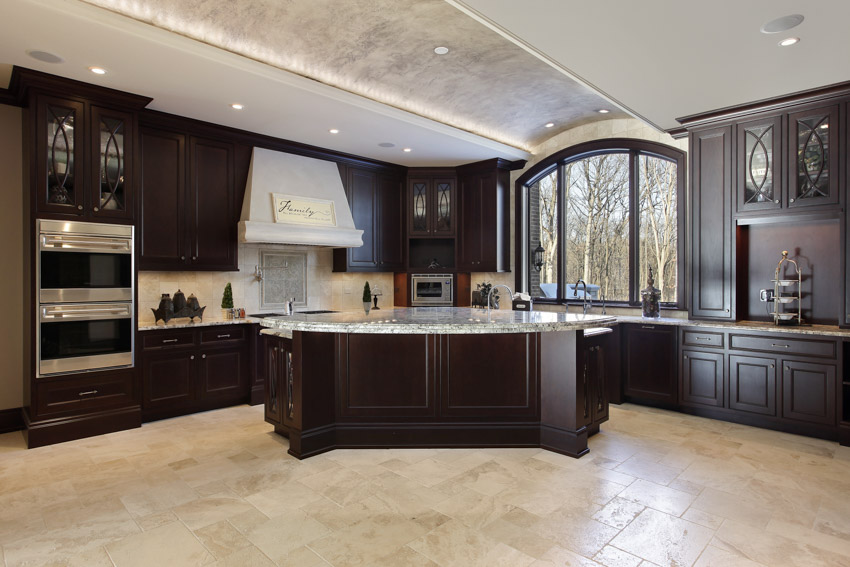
pixel 84 268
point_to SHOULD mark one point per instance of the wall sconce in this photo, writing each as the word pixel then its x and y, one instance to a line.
pixel 537 255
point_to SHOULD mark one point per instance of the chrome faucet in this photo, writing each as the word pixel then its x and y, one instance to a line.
pixel 492 289
pixel 602 294
pixel 584 299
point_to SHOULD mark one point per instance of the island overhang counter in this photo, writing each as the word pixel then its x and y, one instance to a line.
pixel 428 377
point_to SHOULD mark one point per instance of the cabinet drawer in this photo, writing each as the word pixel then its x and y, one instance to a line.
pixel 224 333
pixel 87 393
pixel 167 339
pixel 697 338
pixel 780 344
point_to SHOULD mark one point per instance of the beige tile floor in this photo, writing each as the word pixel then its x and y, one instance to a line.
pixel 657 489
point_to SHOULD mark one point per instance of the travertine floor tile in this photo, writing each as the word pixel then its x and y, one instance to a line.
pixel 280 536
pixel 659 497
pixel 221 539
pixel 716 557
pixel 613 557
pixel 171 544
pixel 557 556
pixel 455 545
pixel 663 539
pixel 619 512
pixel 246 557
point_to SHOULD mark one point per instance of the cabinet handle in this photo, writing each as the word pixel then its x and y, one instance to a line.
pixel 89 393
pixel 778 345
pixel 192 357
pixel 96 209
pixel 169 341
pixel 647 326
pixel 703 338
pixel 79 207
pixel 290 404
pixel 223 336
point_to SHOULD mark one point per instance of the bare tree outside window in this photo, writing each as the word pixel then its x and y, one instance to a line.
pixel 544 231
pixel 658 217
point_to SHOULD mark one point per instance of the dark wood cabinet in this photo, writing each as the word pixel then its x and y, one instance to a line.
pixel 431 204
pixel 483 243
pixel 814 160
pixel 377 206
pixel 84 159
pixel 701 378
pixel 598 364
pixel 712 267
pixel 760 179
pixel 189 370
pixel 752 384
pixel 188 203
pixel 650 363
pixel 277 356
pixel 808 392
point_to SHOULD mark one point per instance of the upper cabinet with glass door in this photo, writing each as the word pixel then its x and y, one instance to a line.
pixel 431 206
pixel 84 160
pixel 813 157
pixel 759 154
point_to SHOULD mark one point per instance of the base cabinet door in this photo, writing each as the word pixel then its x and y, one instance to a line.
pixel 273 400
pixel 168 380
pixel 223 373
pixel 808 392
pixel 599 383
pixel 752 384
pixel 650 355
pixel 701 378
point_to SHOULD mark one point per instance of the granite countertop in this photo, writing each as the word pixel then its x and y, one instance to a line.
pixel 766 326
pixel 186 323
pixel 425 320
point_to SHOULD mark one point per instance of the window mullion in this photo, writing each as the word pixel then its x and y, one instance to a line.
pixel 562 232
pixel 634 228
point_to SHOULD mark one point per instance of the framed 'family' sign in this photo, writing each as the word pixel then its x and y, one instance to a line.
pixel 303 210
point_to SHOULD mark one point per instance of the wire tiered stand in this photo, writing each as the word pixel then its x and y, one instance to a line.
pixel 786 292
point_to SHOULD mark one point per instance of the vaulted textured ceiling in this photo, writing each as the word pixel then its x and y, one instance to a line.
pixel 384 50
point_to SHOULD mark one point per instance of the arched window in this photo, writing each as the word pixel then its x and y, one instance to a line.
pixel 604 212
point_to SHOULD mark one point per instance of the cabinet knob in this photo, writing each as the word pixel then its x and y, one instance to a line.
pixel 686 357
pixel 80 207
pixel 776 201
pixel 771 365
pixel 194 258
pixel 192 357
pixel 727 311
pixel 203 356
pixel 790 200
pixel 96 209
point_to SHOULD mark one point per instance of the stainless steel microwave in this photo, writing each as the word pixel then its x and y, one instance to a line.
pixel 434 290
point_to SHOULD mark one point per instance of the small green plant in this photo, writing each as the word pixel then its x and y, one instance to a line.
pixel 367 293
pixel 227 298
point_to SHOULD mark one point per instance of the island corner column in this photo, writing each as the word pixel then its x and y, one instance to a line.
pixel 562 423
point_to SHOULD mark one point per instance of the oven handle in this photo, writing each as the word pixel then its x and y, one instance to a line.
pixel 65 243
pixel 64 313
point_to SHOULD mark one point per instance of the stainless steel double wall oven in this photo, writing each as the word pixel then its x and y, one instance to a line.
pixel 85 305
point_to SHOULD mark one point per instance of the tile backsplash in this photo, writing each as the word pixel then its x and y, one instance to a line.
pixel 325 289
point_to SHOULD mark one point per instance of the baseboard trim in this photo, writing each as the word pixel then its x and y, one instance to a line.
pixel 11 420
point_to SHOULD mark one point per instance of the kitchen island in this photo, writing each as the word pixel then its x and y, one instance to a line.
pixel 428 377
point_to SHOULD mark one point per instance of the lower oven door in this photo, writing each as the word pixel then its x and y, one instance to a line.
pixel 84 336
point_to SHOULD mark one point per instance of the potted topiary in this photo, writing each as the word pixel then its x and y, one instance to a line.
pixel 227 302
pixel 367 298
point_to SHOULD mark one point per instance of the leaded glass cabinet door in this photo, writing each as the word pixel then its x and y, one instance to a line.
pixel 813 157
pixel 420 204
pixel 443 207
pixel 60 184
pixel 759 150
pixel 112 151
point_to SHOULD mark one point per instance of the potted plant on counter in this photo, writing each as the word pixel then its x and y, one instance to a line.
pixel 367 298
pixel 227 302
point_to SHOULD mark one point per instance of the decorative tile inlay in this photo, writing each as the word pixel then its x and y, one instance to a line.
pixel 284 278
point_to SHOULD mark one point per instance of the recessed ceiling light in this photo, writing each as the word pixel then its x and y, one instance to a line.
pixel 407 150
pixel 441 50
pixel 386 145
pixel 333 131
pixel 603 111
pixel 548 124
pixel 45 56
pixel 782 24
pixel 237 106
pixel 97 70
pixel 789 41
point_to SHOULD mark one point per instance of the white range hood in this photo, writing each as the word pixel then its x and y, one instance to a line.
pixel 303 183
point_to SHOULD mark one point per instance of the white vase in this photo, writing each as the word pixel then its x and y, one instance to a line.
pixel 366 306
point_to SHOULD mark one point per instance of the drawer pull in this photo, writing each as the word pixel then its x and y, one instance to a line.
pixel 89 393
pixel 203 356
pixel 223 336
pixel 647 326
pixel 703 338
pixel 169 341
pixel 778 345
